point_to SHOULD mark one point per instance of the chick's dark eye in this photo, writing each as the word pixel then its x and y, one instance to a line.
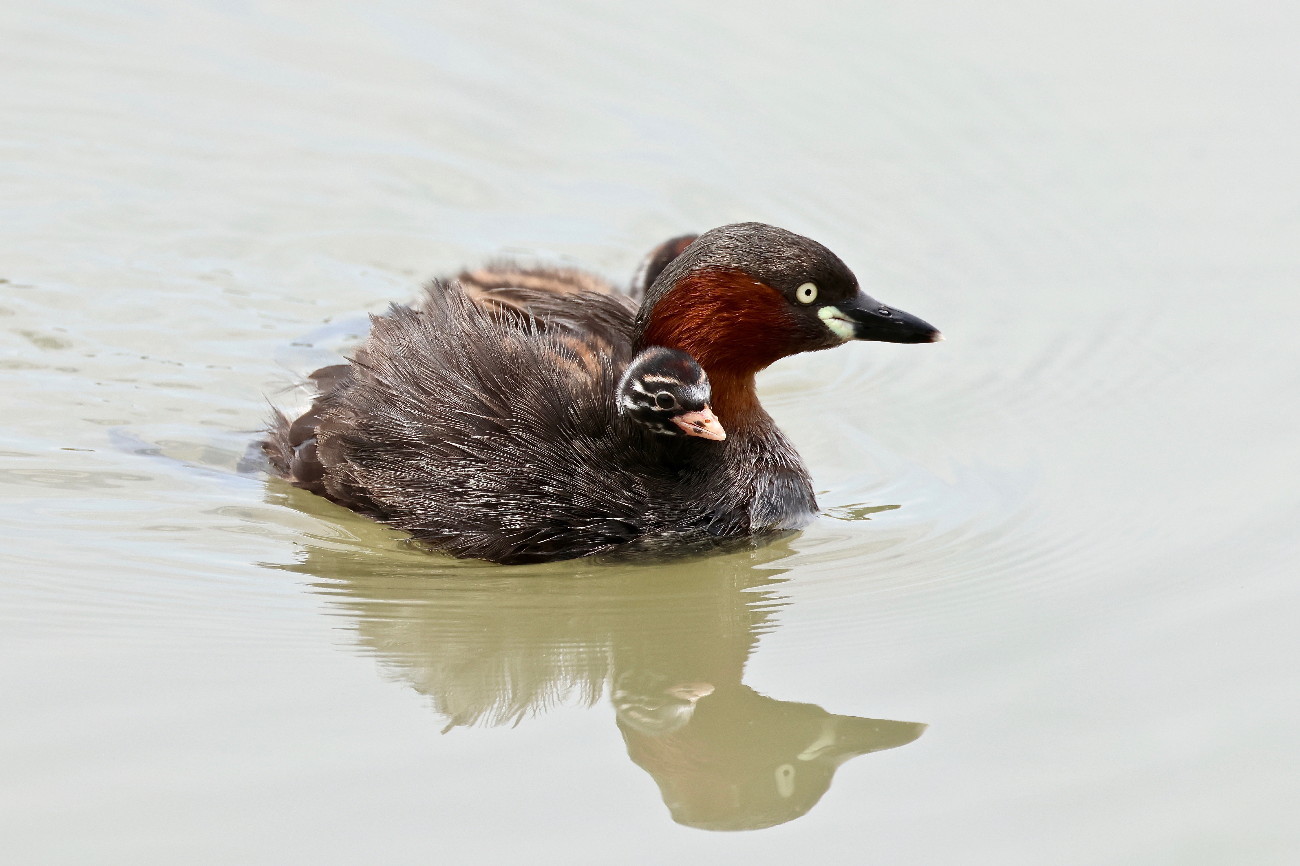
pixel 664 400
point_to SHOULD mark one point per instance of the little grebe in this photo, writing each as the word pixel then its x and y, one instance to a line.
pixel 520 415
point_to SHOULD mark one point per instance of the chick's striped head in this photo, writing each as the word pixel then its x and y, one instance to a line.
pixel 668 393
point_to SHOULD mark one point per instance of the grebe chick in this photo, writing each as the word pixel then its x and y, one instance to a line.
pixel 666 392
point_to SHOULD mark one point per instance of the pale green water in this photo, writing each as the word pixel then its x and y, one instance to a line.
pixel 1087 589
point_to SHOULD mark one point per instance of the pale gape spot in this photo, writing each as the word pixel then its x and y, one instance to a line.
pixel 839 324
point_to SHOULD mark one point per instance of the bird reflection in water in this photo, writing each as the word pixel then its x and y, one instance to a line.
pixel 493 646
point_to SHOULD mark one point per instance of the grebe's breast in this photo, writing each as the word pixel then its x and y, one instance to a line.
pixel 768 479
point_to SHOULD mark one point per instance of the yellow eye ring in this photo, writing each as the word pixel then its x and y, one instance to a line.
pixel 807 293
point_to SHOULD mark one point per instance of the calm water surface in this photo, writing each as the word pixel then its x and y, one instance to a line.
pixel 1049 615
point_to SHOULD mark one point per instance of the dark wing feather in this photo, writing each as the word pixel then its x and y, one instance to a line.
pixel 654 263
pixel 487 435
pixel 552 298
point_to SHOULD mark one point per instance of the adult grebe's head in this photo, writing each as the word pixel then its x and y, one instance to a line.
pixel 742 296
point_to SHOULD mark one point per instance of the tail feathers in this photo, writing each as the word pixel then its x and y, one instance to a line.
pixel 276 445
pixel 290 445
